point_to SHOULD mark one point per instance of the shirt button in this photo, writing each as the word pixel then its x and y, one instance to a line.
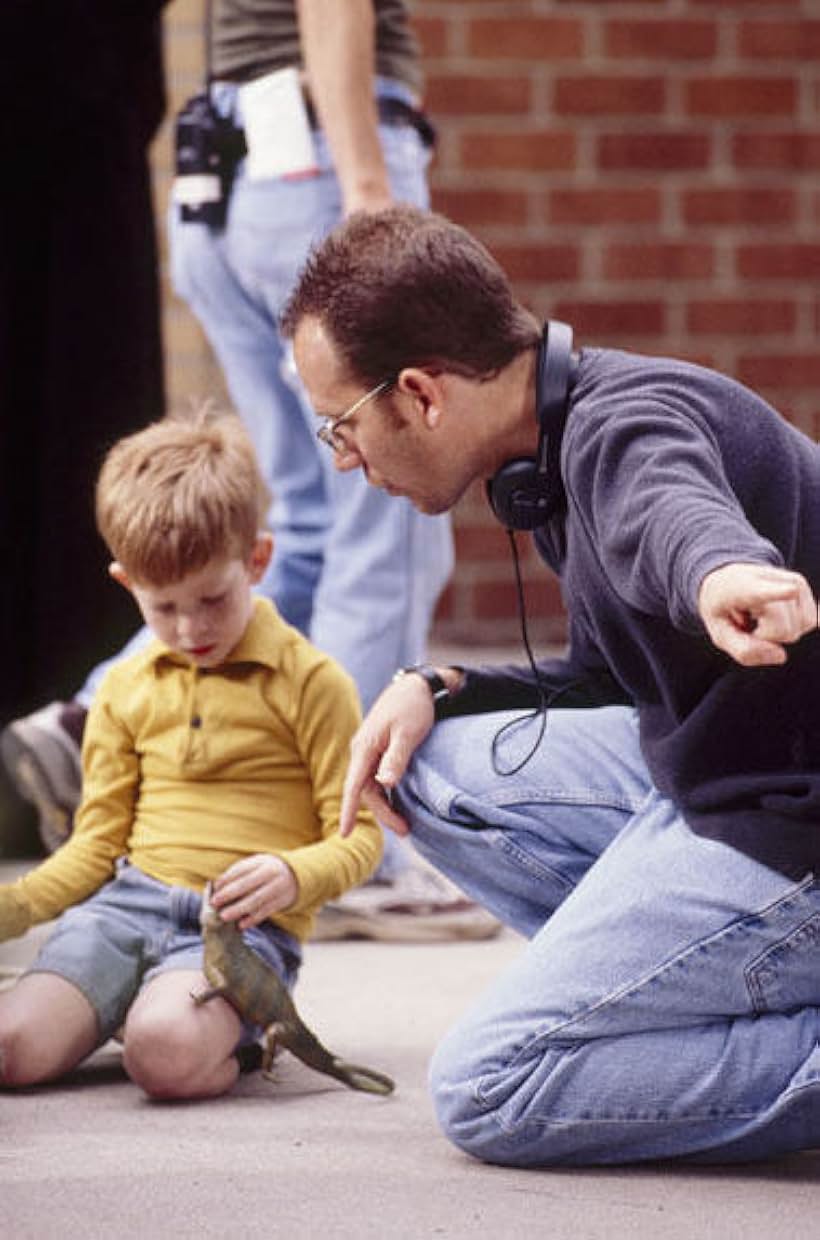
pixel 196 721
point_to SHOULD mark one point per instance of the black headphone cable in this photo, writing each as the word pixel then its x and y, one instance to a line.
pixel 543 696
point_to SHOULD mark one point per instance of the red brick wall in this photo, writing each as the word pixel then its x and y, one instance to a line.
pixel 648 170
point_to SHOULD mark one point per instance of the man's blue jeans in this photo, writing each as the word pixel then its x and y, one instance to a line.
pixel 666 1004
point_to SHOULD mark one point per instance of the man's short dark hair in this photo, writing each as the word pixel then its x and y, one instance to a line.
pixel 407 287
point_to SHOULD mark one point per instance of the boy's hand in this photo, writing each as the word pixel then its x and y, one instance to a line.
pixel 253 889
pixel 15 918
pixel 753 611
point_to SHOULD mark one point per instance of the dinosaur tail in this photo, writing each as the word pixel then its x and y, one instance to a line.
pixel 367 1079
pixel 304 1044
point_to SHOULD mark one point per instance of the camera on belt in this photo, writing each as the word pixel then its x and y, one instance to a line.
pixel 208 148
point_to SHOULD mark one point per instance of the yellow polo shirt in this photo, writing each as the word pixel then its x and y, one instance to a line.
pixel 187 770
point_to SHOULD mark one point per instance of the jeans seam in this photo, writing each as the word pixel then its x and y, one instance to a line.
pixel 518 1129
pixel 553 1035
pixel 592 797
pixel 756 971
pixel 526 861
pixel 443 802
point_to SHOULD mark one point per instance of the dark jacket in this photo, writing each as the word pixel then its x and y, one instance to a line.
pixel 670 471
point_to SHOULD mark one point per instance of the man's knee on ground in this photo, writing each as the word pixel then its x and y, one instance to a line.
pixel 485 1106
pixel 457 1085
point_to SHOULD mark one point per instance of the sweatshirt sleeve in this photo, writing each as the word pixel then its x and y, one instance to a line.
pixel 102 823
pixel 647 483
pixel 328 716
pixel 555 683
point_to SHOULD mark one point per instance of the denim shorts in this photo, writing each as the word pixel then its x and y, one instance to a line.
pixel 135 927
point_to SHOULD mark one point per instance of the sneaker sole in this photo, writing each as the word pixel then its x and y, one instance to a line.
pixel 34 786
pixel 9 976
pixel 332 926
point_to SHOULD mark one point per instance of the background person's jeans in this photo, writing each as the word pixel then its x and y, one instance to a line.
pixel 667 1002
pixel 356 570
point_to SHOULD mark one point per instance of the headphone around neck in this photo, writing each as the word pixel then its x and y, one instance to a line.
pixel 525 492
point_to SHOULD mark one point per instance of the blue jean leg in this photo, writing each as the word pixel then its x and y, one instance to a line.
pixel 236 282
pixel 668 1004
pixel 519 845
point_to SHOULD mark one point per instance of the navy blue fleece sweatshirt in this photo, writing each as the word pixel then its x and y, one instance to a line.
pixel 669 471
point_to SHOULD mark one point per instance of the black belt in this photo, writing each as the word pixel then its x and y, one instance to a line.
pixel 397 112
pixel 392 112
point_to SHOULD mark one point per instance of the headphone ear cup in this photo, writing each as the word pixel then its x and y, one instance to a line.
pixel 516 495
pixel 525 490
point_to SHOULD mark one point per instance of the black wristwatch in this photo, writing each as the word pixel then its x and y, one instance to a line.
pixel 429 674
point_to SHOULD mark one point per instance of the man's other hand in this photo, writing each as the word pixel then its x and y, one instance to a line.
pixel 753 611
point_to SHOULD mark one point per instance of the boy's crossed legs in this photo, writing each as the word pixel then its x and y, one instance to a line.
pixel 130 958
pixel 172 1047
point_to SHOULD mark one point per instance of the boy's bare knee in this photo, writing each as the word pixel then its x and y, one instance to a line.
pixel 167 1062
pixel 11 1062
pixel 47 1027
pixel 157 1056
pixel 21 1058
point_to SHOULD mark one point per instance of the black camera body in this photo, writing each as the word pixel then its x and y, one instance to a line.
pixel 208 148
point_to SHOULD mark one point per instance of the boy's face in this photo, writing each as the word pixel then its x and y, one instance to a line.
pixel 203 616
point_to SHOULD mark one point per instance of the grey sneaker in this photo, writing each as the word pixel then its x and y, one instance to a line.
pixel 43 762
pixel 419 906
pixel 9 976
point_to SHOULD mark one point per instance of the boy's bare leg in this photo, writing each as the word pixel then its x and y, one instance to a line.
pixel 175 1048
pixel 47 1026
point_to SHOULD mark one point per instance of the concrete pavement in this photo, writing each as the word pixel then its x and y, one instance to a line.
pixel 305 1157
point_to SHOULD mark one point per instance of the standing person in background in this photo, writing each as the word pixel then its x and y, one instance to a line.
pixel 325 98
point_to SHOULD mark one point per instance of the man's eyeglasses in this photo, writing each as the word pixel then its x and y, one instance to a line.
pixel 328 429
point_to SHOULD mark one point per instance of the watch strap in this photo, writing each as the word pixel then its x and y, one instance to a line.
pixel 428 673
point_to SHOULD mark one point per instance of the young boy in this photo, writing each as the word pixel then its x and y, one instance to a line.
pixel 217 753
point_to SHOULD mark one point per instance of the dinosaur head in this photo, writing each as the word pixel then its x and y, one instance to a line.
pixel 208 915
